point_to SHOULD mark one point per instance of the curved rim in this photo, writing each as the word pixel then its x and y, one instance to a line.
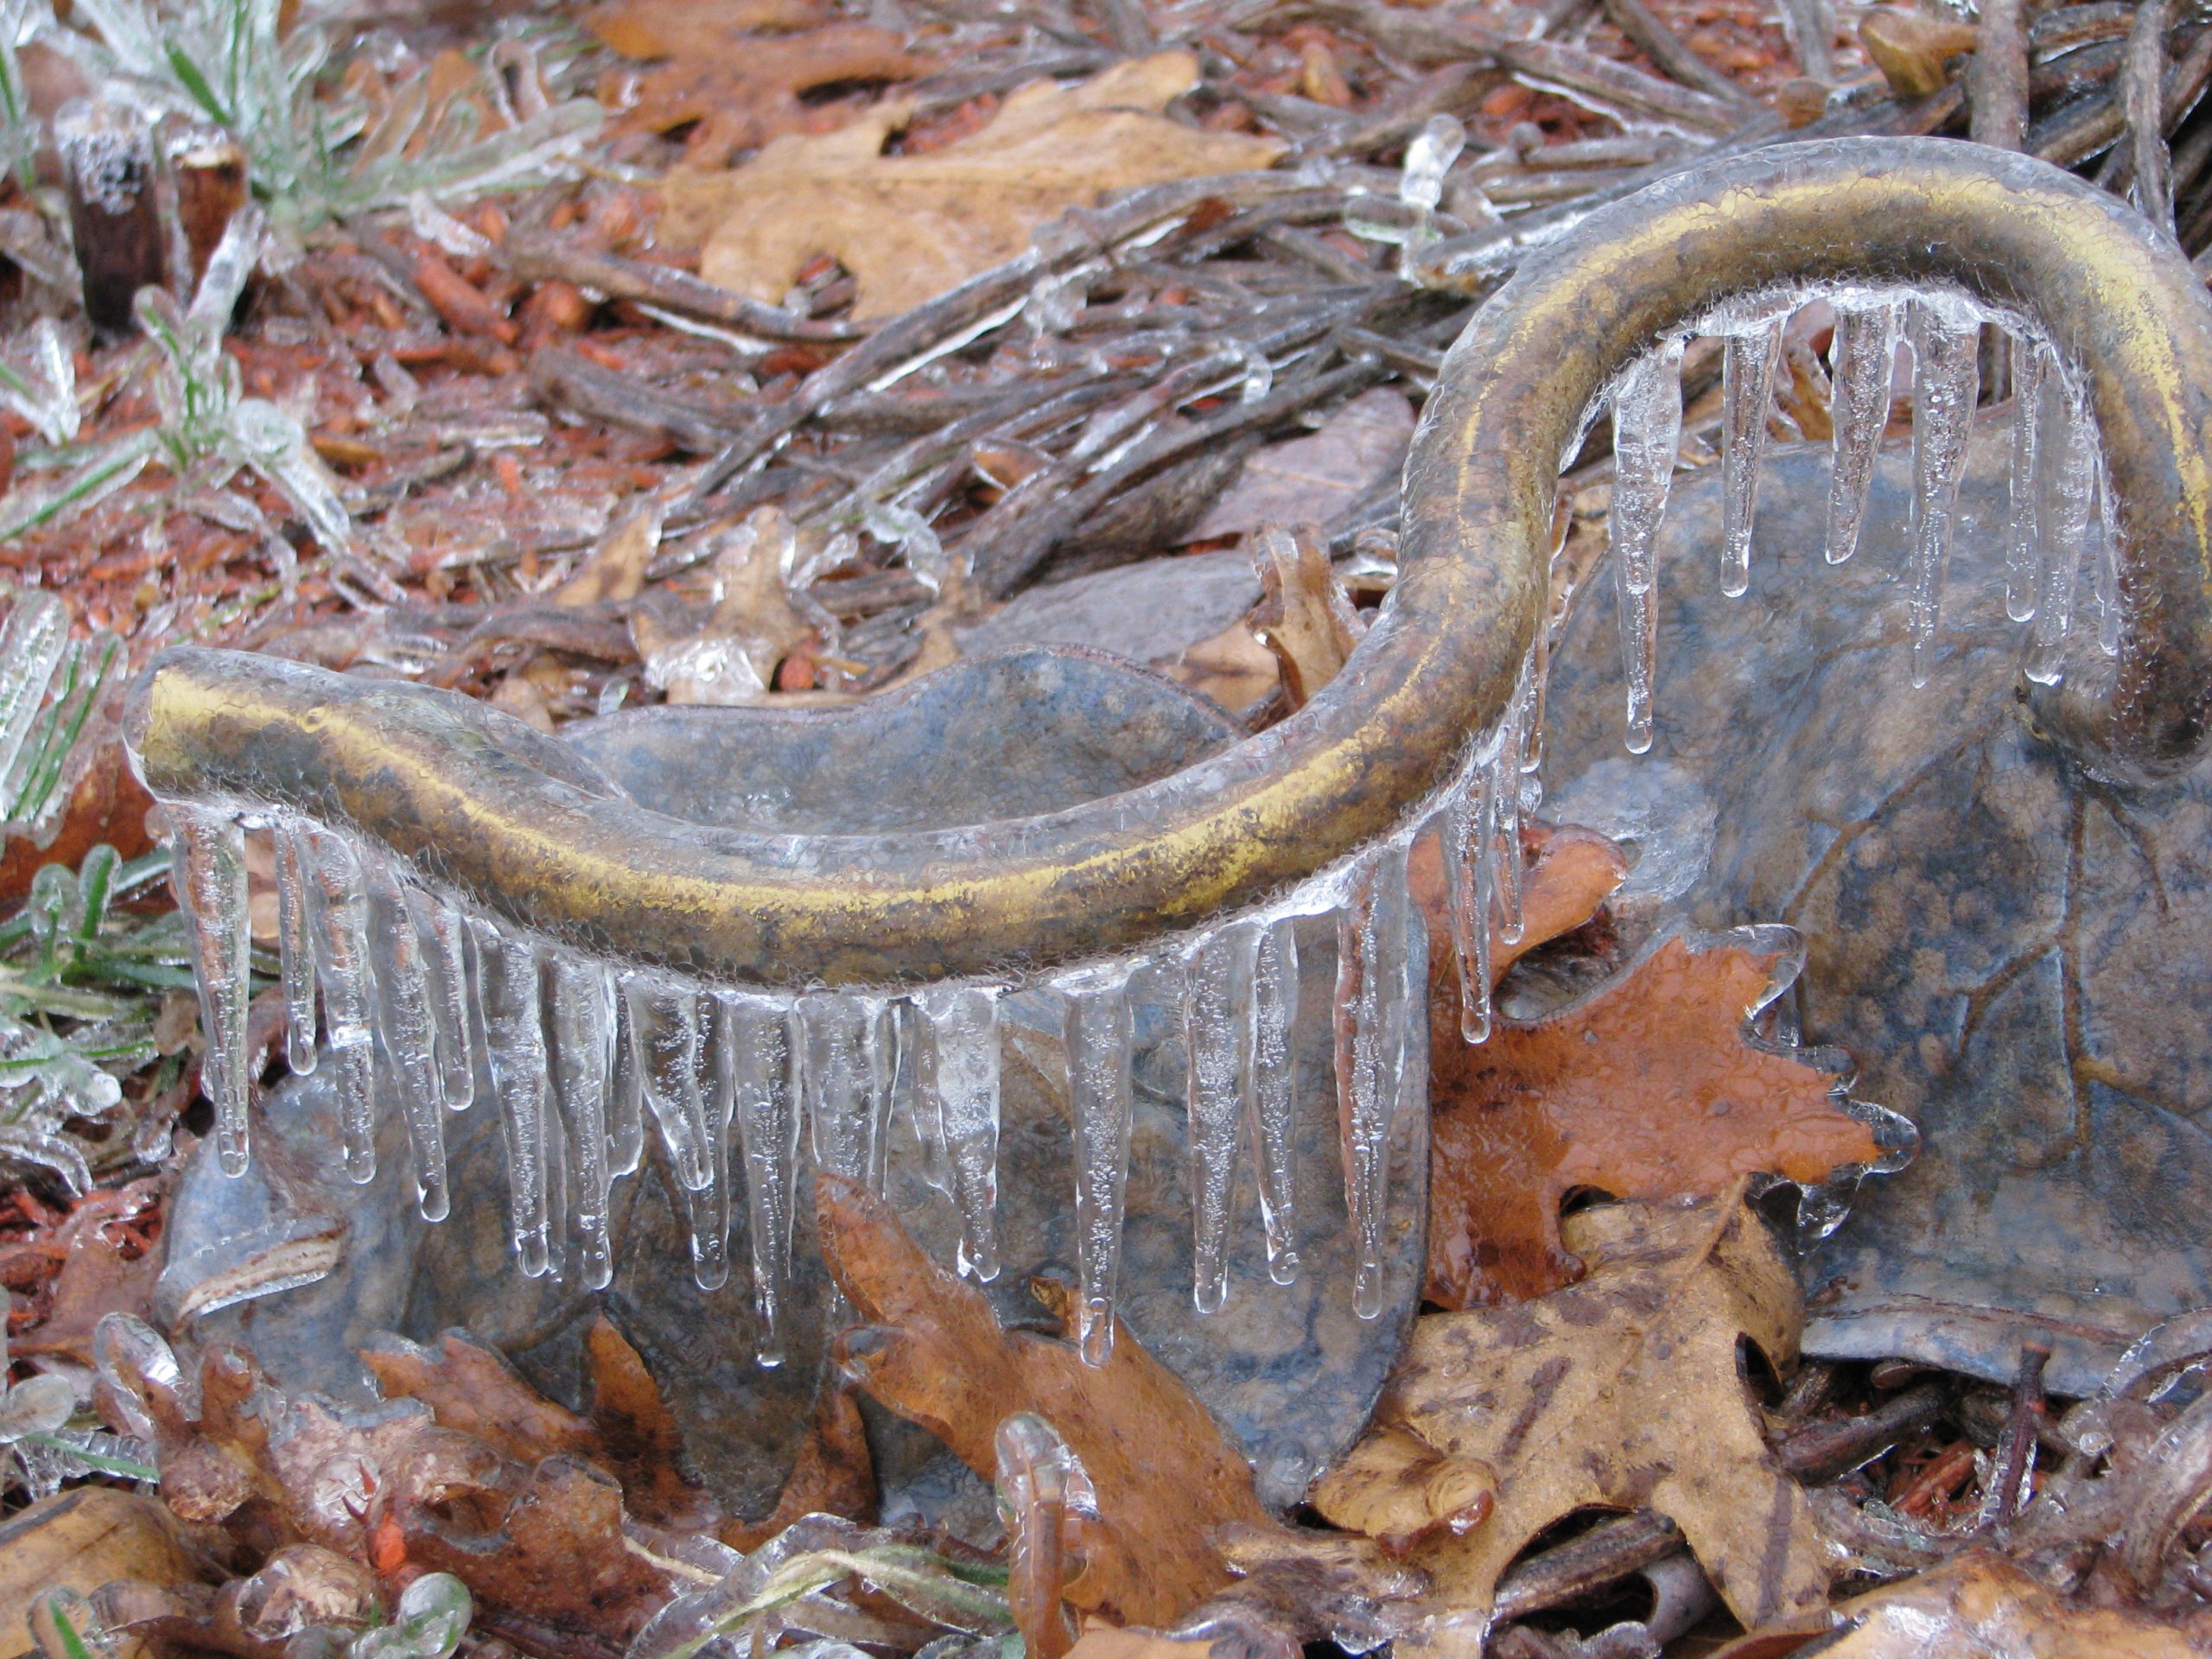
pixel 439 784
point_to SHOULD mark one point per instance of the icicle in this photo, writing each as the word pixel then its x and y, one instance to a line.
pixel 1041 1483
pixel 2065 515
pixel 761 1055
pixel 33 641
pixel 406 1039
pixel 1470 834
pixel 2023 528
pixel 1647 434
pixel 581 1039
pixel 445 964
pixel 1376 936
pixel 626 1126
pixel 845 1077
pixel 664 1052
pixel 959 1091
pixel 1946 379
pixel 1096 1023
pixel 342 966
pixel 2104 564
pixel 294 951
pixel 1505 850
pixel 1215 989
pixel 1271 1099
pixel 1862 357
pixel 1746 394
pixel 210 880
pixel 514 1038
pixel 706 1211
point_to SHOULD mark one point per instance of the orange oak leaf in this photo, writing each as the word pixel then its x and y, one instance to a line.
pixel 1646 1088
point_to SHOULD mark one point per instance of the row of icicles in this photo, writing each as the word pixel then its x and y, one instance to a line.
pixel 429 1007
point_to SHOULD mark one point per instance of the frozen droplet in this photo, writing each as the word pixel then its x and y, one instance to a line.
pixel 580 1038
pixel 761 1041
pixel 1747 364
pixel 210 881
pixel 294 951
pixel 406 1039
pixel 1215 991
pixel 1094 1021
pixel 1271 1100
pixel 959 1092
pixel 2023 529
pixel 514 1038
pixel 1862 357
pixel 1946 380
pixel 344 971
pixel 1647 435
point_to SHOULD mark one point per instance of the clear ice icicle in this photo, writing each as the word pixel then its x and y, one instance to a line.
pixel 579 1040
pixel 1647 435
pixel 210 880
pixel 33 641
pixel 1216 985
pixel 1378 940
pixel 1505 851
pixel 294 951
pixel 343 968
pixel 959 1090
pixel 1946 380
pixel 445 966
pixel 625 1102
pixel 406 1039
pixel 1746 394
pixel 1428 158
pixel 1862 357
pixel 2103 553
pixel 706 1211
pixel 665 1052
pixel 1094 1021
pixel 514 1039
pixel 1470 834
pixel 2023 529
pixel 846 1077
pixel 757 1040
pixel 2066 509
pixel 1271 1088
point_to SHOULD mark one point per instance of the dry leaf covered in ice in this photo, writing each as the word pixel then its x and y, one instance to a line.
pixel 1620 1392
pixel 908 227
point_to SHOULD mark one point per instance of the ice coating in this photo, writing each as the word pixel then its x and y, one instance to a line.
pixel 33 641
pixel 2023 528
pixel 579 1051
pixel 1095 1022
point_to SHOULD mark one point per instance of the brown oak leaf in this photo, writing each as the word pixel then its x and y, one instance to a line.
pixel 1167 1480
pixel 909 227
pixel 1646 1088
pixel 1619 1392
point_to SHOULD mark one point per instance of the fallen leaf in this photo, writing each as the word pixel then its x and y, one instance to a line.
pixel 729 654
pixel 1304 617
pixel 1647 1088
pixel 106 804
pixel 1976 1606
pixel 106 1266
pixel 908 227
pixel 738 69
pixel 1913 51
pixel 835 1474
pixel 1100 1641
pixel 1232 667
pixel 616 569
pixel 932 1352
pixel 1313 478
pixel 1620 1392
pixel 79 1540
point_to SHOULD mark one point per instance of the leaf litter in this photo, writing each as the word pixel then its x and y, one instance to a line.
pixel 997 297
